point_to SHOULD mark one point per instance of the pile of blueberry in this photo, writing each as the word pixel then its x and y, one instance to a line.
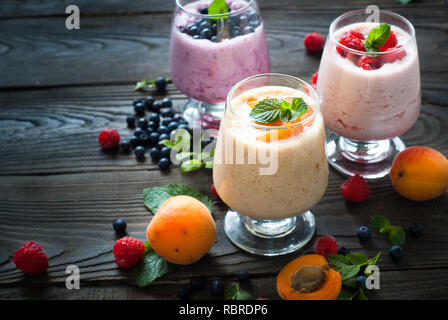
pixel 150 131
pixel 237 25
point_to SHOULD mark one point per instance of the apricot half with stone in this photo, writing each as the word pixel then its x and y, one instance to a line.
pixel 308 277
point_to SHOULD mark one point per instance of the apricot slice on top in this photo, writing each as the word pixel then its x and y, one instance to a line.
pixel 308 277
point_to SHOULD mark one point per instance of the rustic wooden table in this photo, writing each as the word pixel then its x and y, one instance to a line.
pixel 59 87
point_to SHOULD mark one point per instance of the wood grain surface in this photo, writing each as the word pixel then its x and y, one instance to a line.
pixel 58 88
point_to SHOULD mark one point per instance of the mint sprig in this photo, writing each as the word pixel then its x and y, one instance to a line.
pixel 377 37
pixel 381 224
pixel 234 292
pixel 273 109
pixel 218 7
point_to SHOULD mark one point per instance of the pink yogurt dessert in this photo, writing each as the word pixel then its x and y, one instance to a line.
pixel 370 98
pixel 205 67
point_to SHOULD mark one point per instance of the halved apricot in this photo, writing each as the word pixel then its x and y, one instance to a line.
pixel 308 277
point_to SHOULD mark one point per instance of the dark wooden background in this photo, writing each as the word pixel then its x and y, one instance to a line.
pixel 59 87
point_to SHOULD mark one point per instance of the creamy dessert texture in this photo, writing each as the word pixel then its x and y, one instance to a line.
pixel 368 105
pixel 301 175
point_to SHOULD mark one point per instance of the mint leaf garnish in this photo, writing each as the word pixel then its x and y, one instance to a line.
pixel 397 236
pixel 151 267
pixel 377 37
pixel 191 165
pixel 396 233
pixel 272 109
pixel 154 197
pixel 234 292
pixel 357 258
pixel 381 224
pixel 218 7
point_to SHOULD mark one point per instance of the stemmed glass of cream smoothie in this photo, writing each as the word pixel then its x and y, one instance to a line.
pixel 215 44
pixel 369 82
pixel 270 165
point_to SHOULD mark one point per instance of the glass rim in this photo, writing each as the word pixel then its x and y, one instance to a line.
pixel 391 13
pixel 316 107
pixel 221 15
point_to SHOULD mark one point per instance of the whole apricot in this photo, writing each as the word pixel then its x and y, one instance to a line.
pixel 420 173
pixel 182 231
pixel 309 277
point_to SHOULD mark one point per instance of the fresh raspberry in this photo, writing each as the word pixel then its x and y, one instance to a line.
pixel 390 42
pixel 128 251
pixel 370 63
pixel 352 41
pixel 357 34
pixel 394 56
pixel 314 42
pixel 31 259
pixel 109 138
pixel 215 193
pixel 313 81
pixel 326 245
pixel 355 189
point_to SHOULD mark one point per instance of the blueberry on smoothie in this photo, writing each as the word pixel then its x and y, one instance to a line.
pixel 206 33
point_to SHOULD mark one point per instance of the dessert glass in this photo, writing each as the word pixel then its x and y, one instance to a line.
pixel 367 110
pixel 270 194
pixel 204 67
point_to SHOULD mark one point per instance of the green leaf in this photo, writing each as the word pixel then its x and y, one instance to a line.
pixel 380 223
pixel 218 7
pixel 151 267
pixel 344 295
pixel 183 155
pixel 377 37
pixel 208 164
pixel 267 111
pixel 234 292
pixel 374 260
pixel 349 271
pixel 357 258
pixel 351 282
pixel 191 165
pixel 154 197
pixel 361 295
pixel 397 236
pixel 338 260
pixel 298 107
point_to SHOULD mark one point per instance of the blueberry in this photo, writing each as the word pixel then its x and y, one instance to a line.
pixel 217 287
pixel 125 146
pixel 149 130
pixel 136 101
pixel 254 24
pixel 183 30
pixel 166 103
pixel 156 106
pixel 160 145
pixel 172 126
pixel 153 138
pixel 166 112
pixel 184 292
pixel 244 22
pixel 196 37
pixel 148 102
pixel 235 32
pixel 143 140
pixel 243 276
pixel 142 123
pixel 214 39
pixel 130 120
pixel 166 121
pixel 154 153
pixel 206 33
pixel 139 108
pixel 133 141
pixel 193 30
pixel 252 16
pixel 196 283
pixel 140 152
pixel 165 152
pixel 248 30
pixel 214 29
pixel 204 10
pixel 360 281
pixel 343 251
pixel 396 252
pixel 163 129
pixel 138 132
pixel 154 117
pixel 177 117
pixel 235 20
pixel 164 163
pixel 363 234
pixel 416 230
pixel 164 136
pixel 204 25
pixel 153 125
pixel 160 83
pixel 119 225
pixel 183 126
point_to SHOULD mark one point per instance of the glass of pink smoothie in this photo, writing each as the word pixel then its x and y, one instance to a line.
pixel 210 53
pixel 370 96
pixel 270 175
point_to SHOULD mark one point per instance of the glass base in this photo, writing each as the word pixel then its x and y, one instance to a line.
pixel 269 237
pixel 208 114
pixel 372 160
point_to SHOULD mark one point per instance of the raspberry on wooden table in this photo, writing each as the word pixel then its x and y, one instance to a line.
pixel 31 258
pixel 128 251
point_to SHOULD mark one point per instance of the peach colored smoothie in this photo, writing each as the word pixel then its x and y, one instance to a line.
pixel 368 105
pixel 299 175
